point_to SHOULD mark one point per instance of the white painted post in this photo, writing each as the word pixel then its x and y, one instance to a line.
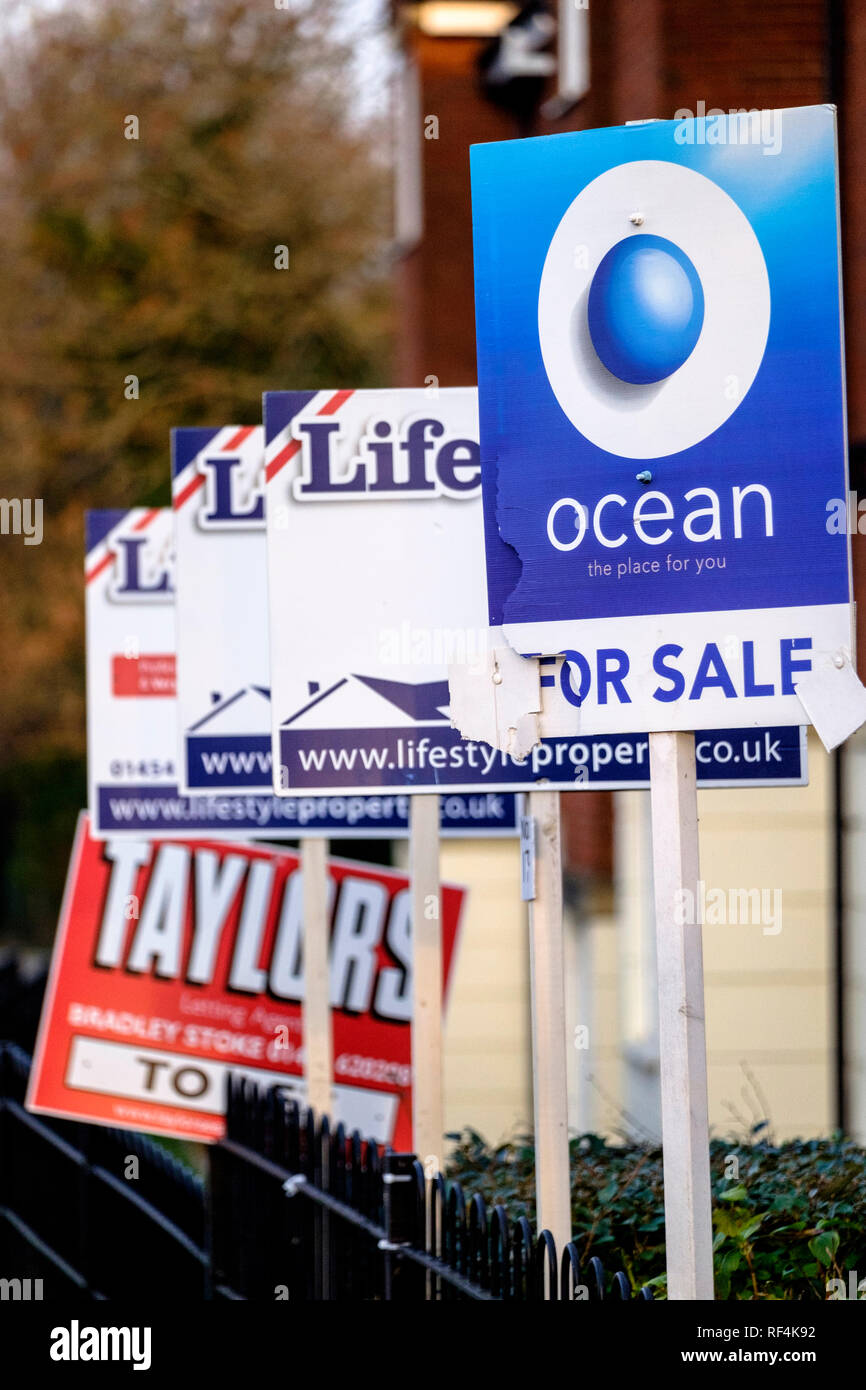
pixel 428 1122
pixel 682 1031
pixel 549 1041
pixel 318 1042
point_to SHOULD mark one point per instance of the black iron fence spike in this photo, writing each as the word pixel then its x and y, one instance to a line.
pixel 596 1281
pixel 546 1268
pixel 569 1272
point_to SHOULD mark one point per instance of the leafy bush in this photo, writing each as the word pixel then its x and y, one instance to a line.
pixel 787 1218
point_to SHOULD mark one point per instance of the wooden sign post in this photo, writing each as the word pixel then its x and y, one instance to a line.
pixel 549 1043
pixel 682 1030
pixel 318 1041
pixel 427 1100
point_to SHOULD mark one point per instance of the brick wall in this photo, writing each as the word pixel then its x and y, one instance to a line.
pixel 436 288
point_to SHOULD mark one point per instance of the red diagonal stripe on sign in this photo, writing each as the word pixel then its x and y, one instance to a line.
pixel 330 407
pixel 97 569
pixel 237 439
pixel 282 457
pixel 186 493
pixel 198 481
pixel 109 559
pixel 333 405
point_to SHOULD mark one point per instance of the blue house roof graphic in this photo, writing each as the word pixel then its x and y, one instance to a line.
pixel 247 711
pixel 371 702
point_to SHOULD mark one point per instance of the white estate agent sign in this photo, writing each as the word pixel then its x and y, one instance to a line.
pixel 377 584
pixel 373 505
pixel 223 659
pixel 222 670
pixel 132 719
pixel 662 413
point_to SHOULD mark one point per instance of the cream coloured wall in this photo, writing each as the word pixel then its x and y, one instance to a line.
pixel 769 995
pixel 596 1101
pixel 488 1065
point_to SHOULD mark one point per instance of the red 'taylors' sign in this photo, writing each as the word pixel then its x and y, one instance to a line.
pixel 176 961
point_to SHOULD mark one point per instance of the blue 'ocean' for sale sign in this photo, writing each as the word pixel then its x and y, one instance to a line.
pixel 662 413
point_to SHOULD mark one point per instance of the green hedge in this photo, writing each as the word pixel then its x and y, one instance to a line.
pixel 787 1219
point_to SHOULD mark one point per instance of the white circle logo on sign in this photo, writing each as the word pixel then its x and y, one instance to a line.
pixel 712 252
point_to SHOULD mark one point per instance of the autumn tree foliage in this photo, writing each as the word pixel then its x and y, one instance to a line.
pixel 194 209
